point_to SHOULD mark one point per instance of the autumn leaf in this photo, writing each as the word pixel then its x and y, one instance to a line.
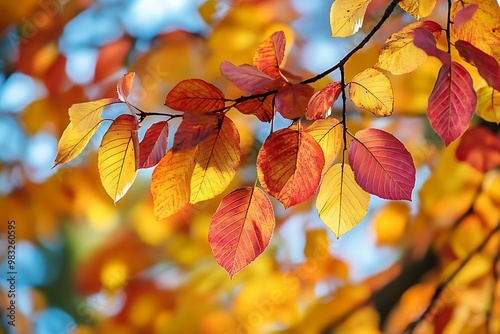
pixel 171 182
pixel 72 143
pixel 289 166
pixel 241 228
pixel 195 95
pixel 291 101
pixel 488 104
pixel 124 86
pixel 341 202
pixel 486 65
pixel 87 115
pixel 262 107
pixel 480 148
pixel 346 16
pixel 246 77
pixel 217 160
pixel 452 102
pixel 118 156
pixel 418 8
pixel 328 134
pixel 320 103
pixel 382 165
pixel 154 145
pixel 270 54
pixel 426 41
pixel 463 16
pixel 194 128
pixel 372 90
pixel 390 223
pixel 399 55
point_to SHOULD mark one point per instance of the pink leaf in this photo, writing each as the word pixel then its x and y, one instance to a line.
pixel 154 145
pixel 486 65
pixel 463 16
pixel 241 228
pixel 425 40
pixel 382 166
pixel 291 101
pixel 246 77
pixel 452 102
pixel 322 101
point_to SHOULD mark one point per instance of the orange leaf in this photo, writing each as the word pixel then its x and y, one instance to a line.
pixel 262 108
pixel 270 54
pixel 289 166
pixel 154 145
pixel 87 115
pixel 72 143
pixel 320 103
pixel 480 148
pixel 195 95
pixel 171 180
pixel 241 228
pixel 372 90
pixel 291 101
pixel 118 156
pixel 194 128
pixel 125 86
pixel 328 134
pixel 217 160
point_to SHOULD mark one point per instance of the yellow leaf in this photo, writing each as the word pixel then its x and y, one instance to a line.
pixel 341 202
pixel 86 115
pixel 488 104
pixel 372 90
pixel 328 134
pixel 418 8
pixel 390 223
pixel 118 156
pixel 217 159
pixel 346 16
pixel 171 180
pixel 72 143
pixel 467 236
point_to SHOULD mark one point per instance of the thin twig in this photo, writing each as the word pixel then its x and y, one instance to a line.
pixel 440 289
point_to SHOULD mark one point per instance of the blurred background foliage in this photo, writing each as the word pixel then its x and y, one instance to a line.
pixel 87 266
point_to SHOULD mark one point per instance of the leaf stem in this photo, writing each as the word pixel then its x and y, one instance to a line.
pixel 448 29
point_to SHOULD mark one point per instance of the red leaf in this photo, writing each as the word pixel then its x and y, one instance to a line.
pixel 154 145
pixel 291 101
pixel 195 95
pixel 382 166
pixel 260 107
pixel 246 77
pixel 486 65
pixel 289 166
pixel 464 15
pixel 452 102
pixel 425 40
pixel 193 129
pixel 241 228
pixel 322 101
pixel 124 86
pixel 480 148
pixel 270 54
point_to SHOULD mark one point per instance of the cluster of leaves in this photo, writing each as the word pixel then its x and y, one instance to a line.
pixel 299 161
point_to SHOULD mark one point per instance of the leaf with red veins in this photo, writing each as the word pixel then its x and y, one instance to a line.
pixel 270 54
pixel 195 95
pixel 124 86
pixel 291 101
pixel 246 77
pixel 154 145
pixel 261 107
pixel 320 103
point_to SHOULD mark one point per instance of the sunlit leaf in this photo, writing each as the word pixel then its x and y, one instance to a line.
pixel 486 65
pixel 87 115
pixel 154 145
pixel 480 148
pixel 195 95
pixel 241 228
pixel 291 101
pixel 270 54
pixel 488 104
pixel 217 160
pixel 72 143
pixel 372 90
pixel 426 41
pixel 390 223
pixel 261 107
pixel 118 156
pixel 289 166
pixel 463 16
pixel 341 202
pixel 171 182
pixel 321 102
pixel 452 102
pixel 418 8
pixel 346 16
pixel 382 165
pixel 125 86
pixel 194 128
pixel 246 77
pixel 328 134
pixel 399 55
